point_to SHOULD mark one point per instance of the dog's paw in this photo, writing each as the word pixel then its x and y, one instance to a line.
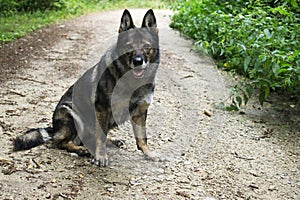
pixel 101 161
pixel 156 157
pixel 82 151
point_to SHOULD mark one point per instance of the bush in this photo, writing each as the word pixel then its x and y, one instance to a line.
pixel 9 7
pixel 258 39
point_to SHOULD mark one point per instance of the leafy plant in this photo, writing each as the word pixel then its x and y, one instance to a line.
pixel 258 39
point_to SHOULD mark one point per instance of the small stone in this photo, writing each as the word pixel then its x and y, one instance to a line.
pixel 74 154
pixel 207 113
pixel 271 188
pixel 48 196
pixel 209 198
pixel 159 178
pixel 197 169
pixel 253 186
pixel 135 182
pixel 187 162
pixel 81 176
pixel 110 189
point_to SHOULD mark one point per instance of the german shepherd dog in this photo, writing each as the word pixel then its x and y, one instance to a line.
pixel 118 88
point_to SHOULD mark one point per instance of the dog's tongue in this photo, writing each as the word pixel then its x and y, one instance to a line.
pixel 138 72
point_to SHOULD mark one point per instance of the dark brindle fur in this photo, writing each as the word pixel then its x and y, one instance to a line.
pixel 135 54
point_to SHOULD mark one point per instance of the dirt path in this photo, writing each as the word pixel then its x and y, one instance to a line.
pixel 249 155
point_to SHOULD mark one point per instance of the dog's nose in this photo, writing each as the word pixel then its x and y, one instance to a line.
pixel 138 60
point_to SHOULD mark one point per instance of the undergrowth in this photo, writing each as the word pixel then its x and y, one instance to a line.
pixel 258 39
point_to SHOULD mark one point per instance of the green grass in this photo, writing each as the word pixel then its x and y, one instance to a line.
pixel 20 24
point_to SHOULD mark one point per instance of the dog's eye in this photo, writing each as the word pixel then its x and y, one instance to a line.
pixel 147 49
pixel 129 54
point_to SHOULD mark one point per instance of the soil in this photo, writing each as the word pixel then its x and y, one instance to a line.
pixel 212 153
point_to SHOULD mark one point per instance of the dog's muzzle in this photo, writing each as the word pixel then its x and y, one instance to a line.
pixel 139 66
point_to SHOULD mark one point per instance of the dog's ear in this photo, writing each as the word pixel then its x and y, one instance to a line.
pixel 149 20
pixel 126 21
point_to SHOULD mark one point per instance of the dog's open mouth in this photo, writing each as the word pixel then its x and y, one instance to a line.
pixel 138 72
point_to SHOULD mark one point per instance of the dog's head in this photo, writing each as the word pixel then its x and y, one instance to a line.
pixel 138 47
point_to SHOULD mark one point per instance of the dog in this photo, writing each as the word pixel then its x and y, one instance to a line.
pixel 118 88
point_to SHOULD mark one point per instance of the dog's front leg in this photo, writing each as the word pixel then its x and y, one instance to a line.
pixel 101 158
pixel 138 120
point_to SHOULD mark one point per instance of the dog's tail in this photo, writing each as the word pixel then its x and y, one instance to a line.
pixel 32 138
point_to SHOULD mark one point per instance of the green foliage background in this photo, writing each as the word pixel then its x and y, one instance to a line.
pixel 259 39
